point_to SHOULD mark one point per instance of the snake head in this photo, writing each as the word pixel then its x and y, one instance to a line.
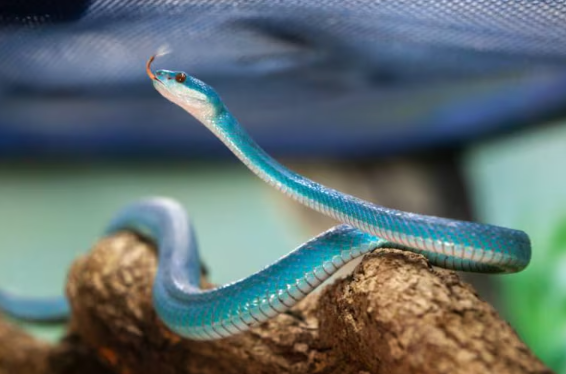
pixel 193 95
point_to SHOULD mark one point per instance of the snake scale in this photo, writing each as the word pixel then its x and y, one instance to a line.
pixel 230 309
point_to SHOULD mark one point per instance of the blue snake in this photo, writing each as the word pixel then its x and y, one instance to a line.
pixel 233 308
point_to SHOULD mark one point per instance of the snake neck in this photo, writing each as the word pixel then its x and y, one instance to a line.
pixel 312 194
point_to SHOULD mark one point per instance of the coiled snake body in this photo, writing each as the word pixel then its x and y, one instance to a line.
pixel 235 307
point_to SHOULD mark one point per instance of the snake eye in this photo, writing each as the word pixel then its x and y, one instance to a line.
pixel 180 77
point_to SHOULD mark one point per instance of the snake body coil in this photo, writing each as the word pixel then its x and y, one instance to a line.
pixel 235 307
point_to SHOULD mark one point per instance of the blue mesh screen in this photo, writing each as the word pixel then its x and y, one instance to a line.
pixel 313 77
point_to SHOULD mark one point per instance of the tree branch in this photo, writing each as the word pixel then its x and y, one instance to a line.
pixel 394 314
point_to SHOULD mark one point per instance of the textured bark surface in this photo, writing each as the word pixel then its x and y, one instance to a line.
pixel 394 314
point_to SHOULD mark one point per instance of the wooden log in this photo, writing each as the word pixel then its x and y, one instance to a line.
pixel 394 314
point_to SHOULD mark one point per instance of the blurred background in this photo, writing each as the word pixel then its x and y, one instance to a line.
pixel 452 108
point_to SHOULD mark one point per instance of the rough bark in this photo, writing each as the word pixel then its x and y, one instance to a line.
pixel 394 314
